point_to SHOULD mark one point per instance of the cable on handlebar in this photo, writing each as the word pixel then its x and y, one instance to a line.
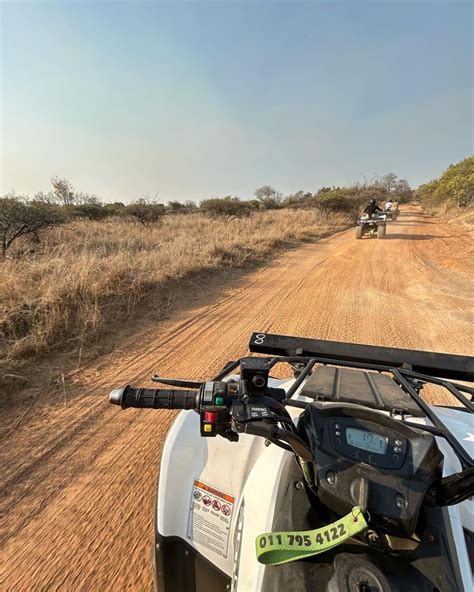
pixel 272 432
pixel 452 489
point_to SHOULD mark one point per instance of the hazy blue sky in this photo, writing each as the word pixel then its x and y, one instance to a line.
pixel 202 99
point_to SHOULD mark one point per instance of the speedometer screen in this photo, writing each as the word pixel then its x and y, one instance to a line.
pixel 366 440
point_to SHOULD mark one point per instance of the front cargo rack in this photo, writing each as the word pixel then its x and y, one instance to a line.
pixel 320 362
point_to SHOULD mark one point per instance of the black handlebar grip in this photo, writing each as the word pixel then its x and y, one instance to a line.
pixel 143 398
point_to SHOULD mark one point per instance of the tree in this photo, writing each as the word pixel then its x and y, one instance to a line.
pixel 457 182
pixel 454 187
pixel 18 217
pixel 391 186
pixel 388 182
pixel 63 191
pixel 269 197
pixel 146 211
pixel 403 191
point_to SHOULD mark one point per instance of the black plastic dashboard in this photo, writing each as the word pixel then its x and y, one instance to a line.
pixel 364 457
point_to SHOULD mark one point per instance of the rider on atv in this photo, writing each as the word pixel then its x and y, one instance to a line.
pixel 372 208
pixel 388 206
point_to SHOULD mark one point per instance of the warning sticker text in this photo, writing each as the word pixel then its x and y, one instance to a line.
pixel 210 513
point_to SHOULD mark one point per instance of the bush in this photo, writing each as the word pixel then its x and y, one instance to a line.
pixel 117 208
pixel 349 200
pixel 20 217
pixel 300 199
pixel 91 211
pixel 454 187
pixel 146 211
pixel 269 198
pixel 226 208
pixel 341 201
pixel 178 207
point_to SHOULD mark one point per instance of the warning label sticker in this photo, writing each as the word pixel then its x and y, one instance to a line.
pixel 210 513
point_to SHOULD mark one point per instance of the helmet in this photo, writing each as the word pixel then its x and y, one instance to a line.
pixel 372 202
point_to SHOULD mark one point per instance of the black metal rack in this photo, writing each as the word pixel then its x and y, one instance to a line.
pixel 410 369
pixel 441 365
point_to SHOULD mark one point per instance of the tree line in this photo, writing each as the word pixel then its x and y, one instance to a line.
pixel 454 187
pixel 21 216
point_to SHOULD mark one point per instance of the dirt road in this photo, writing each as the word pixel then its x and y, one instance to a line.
pixel 78 481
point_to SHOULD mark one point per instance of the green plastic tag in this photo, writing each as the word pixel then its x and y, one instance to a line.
pixel 275 548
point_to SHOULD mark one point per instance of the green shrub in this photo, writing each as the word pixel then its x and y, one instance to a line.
pixel 454 187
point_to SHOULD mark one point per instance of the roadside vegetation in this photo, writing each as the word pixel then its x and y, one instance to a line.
pixel 72 266
pixel 84 276
pixel 452 194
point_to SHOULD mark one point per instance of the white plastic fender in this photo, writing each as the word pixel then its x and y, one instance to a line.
pixel 217 462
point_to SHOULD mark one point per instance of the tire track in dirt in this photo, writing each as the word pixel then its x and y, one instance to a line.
pixel 77 512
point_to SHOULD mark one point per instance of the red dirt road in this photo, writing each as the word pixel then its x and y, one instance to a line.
pixel 78 480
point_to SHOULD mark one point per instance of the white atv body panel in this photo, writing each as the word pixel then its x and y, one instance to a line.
pixel 239 469
pixel 461 516
pixel 258 477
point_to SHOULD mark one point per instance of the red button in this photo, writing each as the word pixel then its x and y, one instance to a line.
pixel 210 416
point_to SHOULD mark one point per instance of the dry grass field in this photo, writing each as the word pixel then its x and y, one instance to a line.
pixel 65 291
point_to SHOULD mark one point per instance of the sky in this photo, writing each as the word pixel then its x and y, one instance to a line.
pixel 190 100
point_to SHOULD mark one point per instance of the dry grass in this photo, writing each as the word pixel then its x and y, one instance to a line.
pixel 63 293
pixel 450 211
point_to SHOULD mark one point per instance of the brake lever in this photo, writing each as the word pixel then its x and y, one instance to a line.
pixel 177 382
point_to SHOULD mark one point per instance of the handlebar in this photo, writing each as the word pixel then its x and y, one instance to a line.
pixel 142 398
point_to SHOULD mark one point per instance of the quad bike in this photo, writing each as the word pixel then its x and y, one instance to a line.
pixel 340 479
pixel 392 214
pixel 389 215
pixel 372 226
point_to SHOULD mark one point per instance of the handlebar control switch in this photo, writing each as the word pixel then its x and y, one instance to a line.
pixel 213 409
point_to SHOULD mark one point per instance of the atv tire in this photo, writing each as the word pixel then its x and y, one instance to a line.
pixel 381 231
pixel 359 232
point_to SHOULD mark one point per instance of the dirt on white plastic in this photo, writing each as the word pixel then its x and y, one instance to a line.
pixel 78 479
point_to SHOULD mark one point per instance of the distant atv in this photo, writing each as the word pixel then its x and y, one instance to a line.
pixel 389 216
pixel 392 214
pixel 371 226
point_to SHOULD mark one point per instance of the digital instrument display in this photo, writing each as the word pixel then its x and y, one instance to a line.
pixel 366 440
